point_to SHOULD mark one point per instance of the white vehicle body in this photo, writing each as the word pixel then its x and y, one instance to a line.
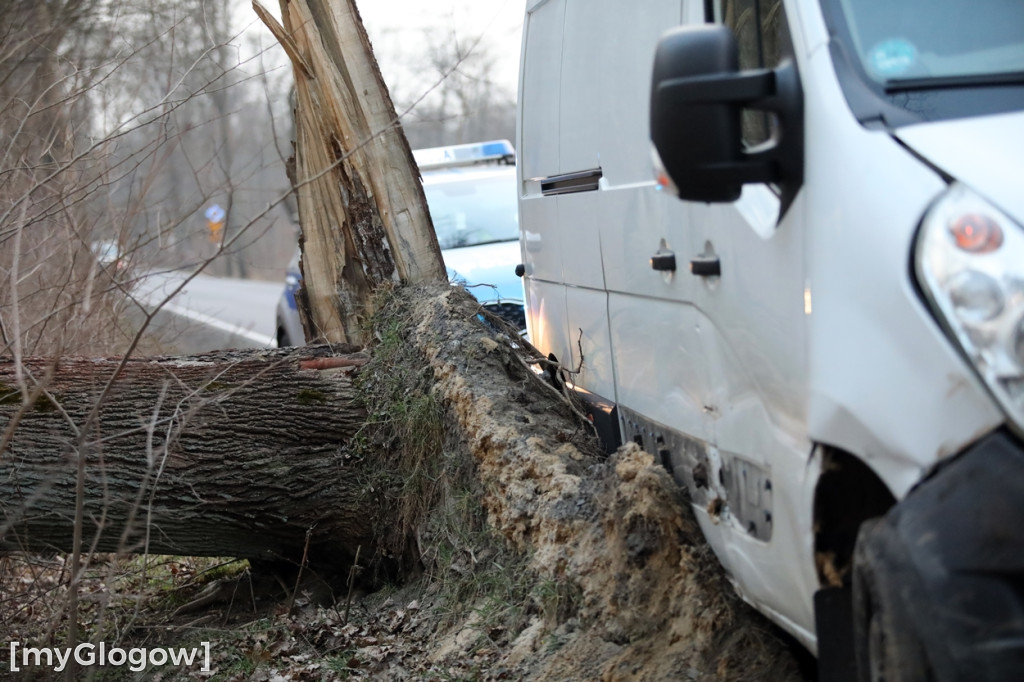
pixel 813 340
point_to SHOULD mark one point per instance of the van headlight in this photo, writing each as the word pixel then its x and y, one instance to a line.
pixel 970 264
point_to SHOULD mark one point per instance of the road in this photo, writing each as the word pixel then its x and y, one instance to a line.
pixel 210 312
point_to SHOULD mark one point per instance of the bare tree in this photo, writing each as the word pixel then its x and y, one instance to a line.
pixel 117 130
pixel 448 92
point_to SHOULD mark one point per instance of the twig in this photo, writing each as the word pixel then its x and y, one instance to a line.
pixel 252 590
pixel 579 344
pixel 302 566
pixel 202 620
pixel 564 398
pixel 211 594
pixel 231 603
pixel 351 583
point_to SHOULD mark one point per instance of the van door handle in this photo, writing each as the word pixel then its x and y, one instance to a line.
pixel 706 267
pixel 664 261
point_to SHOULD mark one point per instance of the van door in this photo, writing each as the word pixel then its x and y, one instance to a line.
pixel 750 285
pixel 653 330
pixel 583 136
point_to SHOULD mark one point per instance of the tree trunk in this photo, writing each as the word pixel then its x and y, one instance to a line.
pixel 239 454
pixel 362 209
pixel 223 454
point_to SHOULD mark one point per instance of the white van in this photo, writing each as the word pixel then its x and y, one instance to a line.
pixel 812 313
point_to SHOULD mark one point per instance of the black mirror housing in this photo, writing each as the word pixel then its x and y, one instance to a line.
pixel 697 96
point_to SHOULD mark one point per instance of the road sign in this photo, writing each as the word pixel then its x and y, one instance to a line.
pixel 215 221
pixel 215 214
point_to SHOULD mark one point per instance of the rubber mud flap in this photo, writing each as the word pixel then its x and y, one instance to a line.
pixel 833 616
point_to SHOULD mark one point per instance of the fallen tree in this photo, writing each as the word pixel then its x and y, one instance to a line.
pixel 215 470
pixel 268 454
pixel 223 454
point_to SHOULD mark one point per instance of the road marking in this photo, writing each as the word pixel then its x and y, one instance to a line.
pixel 153 293
pixel 211 321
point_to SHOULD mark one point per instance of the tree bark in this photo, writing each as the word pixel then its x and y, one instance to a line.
pixel 223 454
pixel 239 454
pixel 362 209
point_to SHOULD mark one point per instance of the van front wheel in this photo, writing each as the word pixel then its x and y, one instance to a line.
pixel 887 648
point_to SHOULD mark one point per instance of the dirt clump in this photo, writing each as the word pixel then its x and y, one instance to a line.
pixel 632 589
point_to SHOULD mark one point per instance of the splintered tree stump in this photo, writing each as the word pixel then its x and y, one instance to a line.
pixel 236 453
pixel 362 210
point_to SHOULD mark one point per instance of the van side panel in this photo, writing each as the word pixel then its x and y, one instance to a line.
pixel 540 239
pixel 546 301
pixel 579 234
pixel 587 317
pixel 670 385
pixel 579 122
pixel 621 77
pixel 539 78
pixel 540 75
pixel 576 55
pixel 579 229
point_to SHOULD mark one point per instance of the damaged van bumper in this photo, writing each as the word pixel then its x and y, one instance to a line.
pixel 957 546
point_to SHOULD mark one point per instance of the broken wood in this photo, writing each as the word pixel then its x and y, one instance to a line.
pixel 235 453
pixel 362 209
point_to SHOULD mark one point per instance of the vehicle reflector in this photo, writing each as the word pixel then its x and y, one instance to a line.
pixel 976 233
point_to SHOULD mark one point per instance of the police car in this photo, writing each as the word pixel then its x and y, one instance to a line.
pixel 472 198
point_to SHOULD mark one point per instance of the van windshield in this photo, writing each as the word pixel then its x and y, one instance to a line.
pixel 923 44
pixel 474 210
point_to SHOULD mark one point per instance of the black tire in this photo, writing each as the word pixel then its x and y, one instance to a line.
pixel 886 646
pixel 282 338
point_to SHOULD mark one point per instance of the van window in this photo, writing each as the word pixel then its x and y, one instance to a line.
pixel 761 32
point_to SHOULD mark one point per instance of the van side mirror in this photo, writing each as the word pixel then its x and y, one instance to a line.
pixel 697 95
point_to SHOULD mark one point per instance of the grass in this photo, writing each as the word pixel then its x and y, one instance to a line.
pixel 162 576
pixel 429 477
pixel 558 600
pixel 339 663
pixel 408 421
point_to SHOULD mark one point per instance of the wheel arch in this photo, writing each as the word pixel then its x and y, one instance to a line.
pixel 848 493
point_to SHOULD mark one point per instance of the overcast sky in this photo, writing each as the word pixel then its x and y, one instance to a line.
pixel 398 28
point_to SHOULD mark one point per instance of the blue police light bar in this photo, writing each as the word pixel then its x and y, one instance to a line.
pixel 465 154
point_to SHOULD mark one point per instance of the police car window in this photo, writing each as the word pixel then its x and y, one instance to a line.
pixel 761 31
pixel 473 210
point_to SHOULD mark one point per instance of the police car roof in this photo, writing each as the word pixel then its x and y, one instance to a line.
pixel 493 151
pixel 470 174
